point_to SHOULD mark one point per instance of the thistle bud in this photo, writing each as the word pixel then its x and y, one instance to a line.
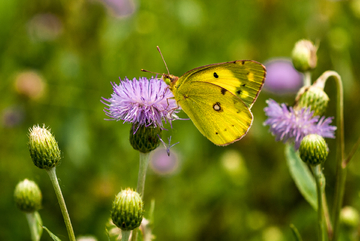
pixel 44 149
pixel 27 196
pixel 349 217
pixel 304 56
pixel 313 149
pixel 144 139
pixel 127 210
pixel 313 97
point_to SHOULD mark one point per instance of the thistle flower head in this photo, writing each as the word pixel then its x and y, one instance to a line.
pixel 44 149
pixel 313 97
pixel 27 196
pixel 313 149
pixel 289 124
pixel 304 56
pixel 145 102
pixel 281 77
pixel 127 210
pixel 144 139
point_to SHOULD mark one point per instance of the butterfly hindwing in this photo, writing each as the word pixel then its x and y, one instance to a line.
pixel 217 113
pixel 243 78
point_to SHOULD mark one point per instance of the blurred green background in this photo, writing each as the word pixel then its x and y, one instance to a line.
pixel 58 58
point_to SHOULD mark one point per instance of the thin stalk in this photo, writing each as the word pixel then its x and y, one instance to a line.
pixel 143 165
pixel 320 211
pixel 326 214
pixel 125 235
pixel 340 156
pixel 352 152
pixel 33 226
pixel 60 198
pixel 307 78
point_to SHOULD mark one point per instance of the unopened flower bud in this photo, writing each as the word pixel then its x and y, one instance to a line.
pixel 144 139
pixel 27 196
pixel 313 149
pixel 313 97
pixel 44 149
pixel 304 56
pixel 127 210
pixel 349 216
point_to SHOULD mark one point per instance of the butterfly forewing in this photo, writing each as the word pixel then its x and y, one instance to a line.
pixel 243 78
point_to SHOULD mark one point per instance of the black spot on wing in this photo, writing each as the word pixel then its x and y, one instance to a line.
pixel 216 75
pixel 217 107
pixel 223 91
pixel 238 89
pixel 243 62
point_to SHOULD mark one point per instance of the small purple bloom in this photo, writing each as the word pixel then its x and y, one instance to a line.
pixel 281 77
pixel 289 124
pixel 121 8
pixel 163 164
pixel 143 101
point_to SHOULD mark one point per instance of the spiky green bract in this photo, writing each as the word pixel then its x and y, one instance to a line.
pixel 313 97
pixel 144 138
pixel 313 149
pixel 304 56
pixel 44 150
pixel 27 196
pixel 127 210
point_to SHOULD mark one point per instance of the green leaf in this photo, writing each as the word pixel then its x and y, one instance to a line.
pixel 295 232
pixel 53 236
pixel 302 176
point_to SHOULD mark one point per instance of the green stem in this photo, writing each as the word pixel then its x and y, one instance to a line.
pixel 340 157
pixel 320 211
pixel 125 235
pixel 307 78
pixel 60 198
pixel 143 165
pixel 33 226
pixel 326 214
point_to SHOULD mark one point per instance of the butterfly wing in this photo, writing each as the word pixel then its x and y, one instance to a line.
pixel 243 78
pixel 219 115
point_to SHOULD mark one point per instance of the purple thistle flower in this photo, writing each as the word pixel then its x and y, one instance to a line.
pixel 281 77
pixel 143 101
pixel 289 124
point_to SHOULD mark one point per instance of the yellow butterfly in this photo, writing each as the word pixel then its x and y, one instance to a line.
pixel 218 97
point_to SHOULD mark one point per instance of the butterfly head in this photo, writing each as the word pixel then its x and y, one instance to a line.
pixel 170 79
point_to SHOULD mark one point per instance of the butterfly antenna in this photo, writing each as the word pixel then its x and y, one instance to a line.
pixel 147 71
pixel 158 48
